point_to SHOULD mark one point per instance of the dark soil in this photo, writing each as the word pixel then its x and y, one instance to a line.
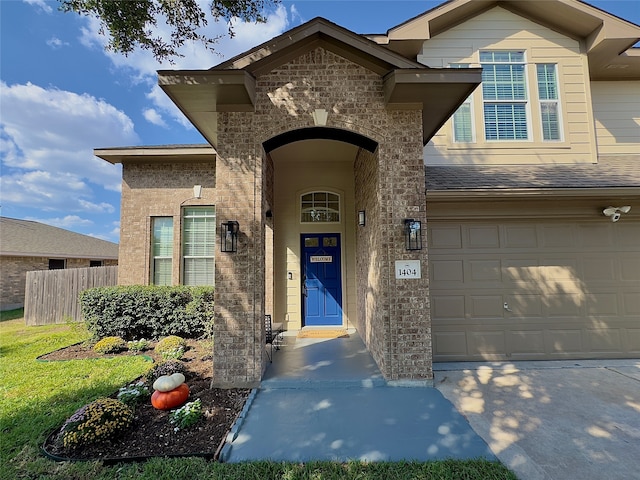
pixel 152 434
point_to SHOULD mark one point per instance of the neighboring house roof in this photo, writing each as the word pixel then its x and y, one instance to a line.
pixel 25 238
pixel 610 173
pixel 231 86
pixel 609 40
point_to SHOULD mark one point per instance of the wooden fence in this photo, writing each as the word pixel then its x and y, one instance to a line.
pixel 51 296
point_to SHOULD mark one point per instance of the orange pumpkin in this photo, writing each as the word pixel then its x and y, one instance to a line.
pixel 171 399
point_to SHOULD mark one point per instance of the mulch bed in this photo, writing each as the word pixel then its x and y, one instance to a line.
pixel 152 434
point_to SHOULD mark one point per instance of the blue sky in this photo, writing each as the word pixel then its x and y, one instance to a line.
pixel 62 95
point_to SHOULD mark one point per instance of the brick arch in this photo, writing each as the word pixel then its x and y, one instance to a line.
pixel 321 133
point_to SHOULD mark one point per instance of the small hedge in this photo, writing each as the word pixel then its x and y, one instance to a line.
pixel 138 311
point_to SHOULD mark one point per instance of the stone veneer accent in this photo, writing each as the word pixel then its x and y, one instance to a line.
pixel 397 325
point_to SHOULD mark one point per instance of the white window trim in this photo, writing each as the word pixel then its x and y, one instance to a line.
pixel 557 101
pixel 301 209
pixel 184 257
pixel 527 101
pixel 152 273
pixel 470 101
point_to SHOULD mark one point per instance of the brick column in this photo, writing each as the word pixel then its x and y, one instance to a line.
pixel 239 290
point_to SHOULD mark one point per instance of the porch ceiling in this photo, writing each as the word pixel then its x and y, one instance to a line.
pixel 231 86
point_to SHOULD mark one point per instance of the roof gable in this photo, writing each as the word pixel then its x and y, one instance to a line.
pixel 231 85
pixel 317 32
pixel 608 39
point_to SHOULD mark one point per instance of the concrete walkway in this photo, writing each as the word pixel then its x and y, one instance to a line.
pixel 327 400
pixel 553 420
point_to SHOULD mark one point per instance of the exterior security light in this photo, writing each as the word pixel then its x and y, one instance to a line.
pixel 614 213
pixel 229 236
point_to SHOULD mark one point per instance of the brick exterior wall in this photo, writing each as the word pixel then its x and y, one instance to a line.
pixel 14 275
pixel 156 190
pixel 398 328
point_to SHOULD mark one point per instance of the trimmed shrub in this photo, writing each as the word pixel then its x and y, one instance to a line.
pixel 171 347
pixel 99 420
pixel 110 345
pixel 138 311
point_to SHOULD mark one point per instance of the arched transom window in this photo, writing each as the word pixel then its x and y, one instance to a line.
pixel 319 207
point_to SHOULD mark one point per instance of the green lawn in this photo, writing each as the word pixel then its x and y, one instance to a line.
pixel 36 397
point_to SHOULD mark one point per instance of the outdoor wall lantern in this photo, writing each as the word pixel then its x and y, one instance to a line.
pixel 362 219
pixel 229 236
pixel 413 234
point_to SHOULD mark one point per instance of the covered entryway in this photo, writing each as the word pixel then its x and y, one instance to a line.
pixel 543 288
pixel 313 237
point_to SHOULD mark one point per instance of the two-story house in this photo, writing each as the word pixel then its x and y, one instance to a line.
pixel 463 187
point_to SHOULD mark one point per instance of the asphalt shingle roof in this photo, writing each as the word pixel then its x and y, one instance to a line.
pixel 25 238
pixel 610 172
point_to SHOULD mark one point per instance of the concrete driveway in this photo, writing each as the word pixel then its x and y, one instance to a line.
pixel 552 420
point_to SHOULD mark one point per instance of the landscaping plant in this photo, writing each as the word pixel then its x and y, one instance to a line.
pixel 171 347
pixel 37 397
pixel 101 419
pixel 110 345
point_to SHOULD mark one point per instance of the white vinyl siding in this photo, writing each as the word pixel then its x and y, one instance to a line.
pixel 548 96
pixel 504 91
pixel 162 250
pixel 499 30
pixel 616 108
pixel 198 245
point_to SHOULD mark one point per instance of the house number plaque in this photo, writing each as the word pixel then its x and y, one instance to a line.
pixel 408 269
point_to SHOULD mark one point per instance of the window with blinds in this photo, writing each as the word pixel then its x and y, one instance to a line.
pixel 504 93
pixel 162 250
pixel 549 102
pixel 198 241
pixel 463 117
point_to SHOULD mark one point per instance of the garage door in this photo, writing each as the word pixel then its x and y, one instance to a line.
pixel 512 290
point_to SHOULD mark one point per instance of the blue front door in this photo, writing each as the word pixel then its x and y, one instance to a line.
pixel 322 279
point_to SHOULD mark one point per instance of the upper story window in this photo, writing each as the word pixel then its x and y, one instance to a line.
pixel 161 250
pixel 318 207
pixel 547 78
pixel 198 245
pixel 504 94
pixel 463 131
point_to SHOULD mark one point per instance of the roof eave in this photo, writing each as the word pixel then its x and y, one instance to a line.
pixel 437 92
pixel 462 195
pixel 158 154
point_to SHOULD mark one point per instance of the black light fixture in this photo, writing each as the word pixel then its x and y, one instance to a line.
pixel 229 236
pixel 362 219
pixel 413 234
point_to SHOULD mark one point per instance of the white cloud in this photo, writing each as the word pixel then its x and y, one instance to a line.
pixel 40 4
pixel 55 43
pixel 152 116
pixel 47 138
pixel 143 67
pixel 66 222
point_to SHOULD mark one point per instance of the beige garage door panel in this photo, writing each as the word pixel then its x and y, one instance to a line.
pixel 534 290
